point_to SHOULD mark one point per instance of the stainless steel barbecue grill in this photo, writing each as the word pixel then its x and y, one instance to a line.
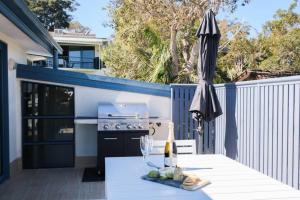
pixel 123 116
pixel 120 126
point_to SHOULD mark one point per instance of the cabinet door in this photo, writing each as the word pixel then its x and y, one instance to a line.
pixel 109 145
pixel 132 144
pixel 48 156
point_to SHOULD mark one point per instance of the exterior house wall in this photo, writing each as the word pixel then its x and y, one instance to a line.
pixel 86 104
pixel 15 55
pixel 100 72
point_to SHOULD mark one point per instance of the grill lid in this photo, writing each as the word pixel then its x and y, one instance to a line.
pixel 123 111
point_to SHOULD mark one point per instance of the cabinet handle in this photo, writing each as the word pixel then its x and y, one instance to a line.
pixel 110 138
pixel 135 138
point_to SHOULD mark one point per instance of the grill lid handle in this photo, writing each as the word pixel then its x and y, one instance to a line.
pixel 121 116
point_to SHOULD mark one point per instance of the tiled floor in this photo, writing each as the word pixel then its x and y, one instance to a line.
pixel 51 184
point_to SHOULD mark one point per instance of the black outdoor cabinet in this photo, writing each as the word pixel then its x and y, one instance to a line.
pixel 48 130
pixel 117 144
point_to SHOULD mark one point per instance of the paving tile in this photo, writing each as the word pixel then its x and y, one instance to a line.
pixel 51 184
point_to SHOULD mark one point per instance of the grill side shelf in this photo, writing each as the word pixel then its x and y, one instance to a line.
pixel 86 120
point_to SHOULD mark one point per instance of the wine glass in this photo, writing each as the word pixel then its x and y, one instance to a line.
pixel 144 146
pixel 150 143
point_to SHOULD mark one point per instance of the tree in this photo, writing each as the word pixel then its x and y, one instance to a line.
pixel 174 22
pixel 78 27
pixel 276 48
pixel 148 60
pixel 53 13
pixel 237 51
pixel 280 41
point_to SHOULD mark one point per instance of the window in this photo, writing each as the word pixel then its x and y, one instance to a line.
pixel 47 100
pixel 43 130
pixel 48 125
pixel 81 57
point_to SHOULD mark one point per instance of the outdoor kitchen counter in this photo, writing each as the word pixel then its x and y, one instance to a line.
pixel 86 120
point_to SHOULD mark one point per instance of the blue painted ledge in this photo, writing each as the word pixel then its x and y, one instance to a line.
pixel 89 80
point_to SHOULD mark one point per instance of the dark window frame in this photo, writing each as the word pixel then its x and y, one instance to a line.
pixel 42 113
pixel 4 113
pixel 82 62
pixel 46 117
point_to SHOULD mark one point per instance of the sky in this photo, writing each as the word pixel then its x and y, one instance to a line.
pixel 91 13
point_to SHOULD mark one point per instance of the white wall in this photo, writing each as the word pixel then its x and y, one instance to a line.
pixel 18 55
pixel 91 97
pixel 86 103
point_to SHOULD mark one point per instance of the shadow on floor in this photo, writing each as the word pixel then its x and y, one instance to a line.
pixel 51 184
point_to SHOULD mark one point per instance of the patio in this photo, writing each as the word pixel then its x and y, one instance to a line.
pixel 50 184
pixel 229 181
pixel 50 125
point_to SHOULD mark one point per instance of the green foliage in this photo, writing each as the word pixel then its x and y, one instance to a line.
pixel 154 40
pixel 78 27
pixel 53 13
pixel 276 48
pixel 149 63
pixel 280 41
pixel 142 47
pixel 159 57
pixel 235 54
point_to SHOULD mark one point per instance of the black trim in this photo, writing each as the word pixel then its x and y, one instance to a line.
pixel 4 118
pixel 19 14
pixel 48 117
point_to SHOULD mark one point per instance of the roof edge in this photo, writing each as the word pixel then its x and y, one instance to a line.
pixel 91 80
pixel 20 15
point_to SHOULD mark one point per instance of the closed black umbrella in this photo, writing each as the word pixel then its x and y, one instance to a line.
pixel 205 105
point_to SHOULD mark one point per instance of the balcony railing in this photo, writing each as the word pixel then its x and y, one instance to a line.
pixel 81 62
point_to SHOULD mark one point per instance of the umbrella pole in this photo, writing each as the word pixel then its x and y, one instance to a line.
pixel 201 136
pixel 199 144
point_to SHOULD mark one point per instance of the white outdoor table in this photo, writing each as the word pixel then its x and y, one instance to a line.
pixel 230 180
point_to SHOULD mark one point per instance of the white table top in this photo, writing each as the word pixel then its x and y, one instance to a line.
pixel 230 180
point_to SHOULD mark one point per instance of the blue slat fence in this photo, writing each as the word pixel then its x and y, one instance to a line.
pixel 184 125
pixel 259 127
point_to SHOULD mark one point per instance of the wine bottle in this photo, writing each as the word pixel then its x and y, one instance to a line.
pixel 174 154
pixel 168 160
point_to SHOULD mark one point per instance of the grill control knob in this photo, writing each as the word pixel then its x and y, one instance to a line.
pixel 141 126
pixel 118 126
pixel 129 126
pixel 105 126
